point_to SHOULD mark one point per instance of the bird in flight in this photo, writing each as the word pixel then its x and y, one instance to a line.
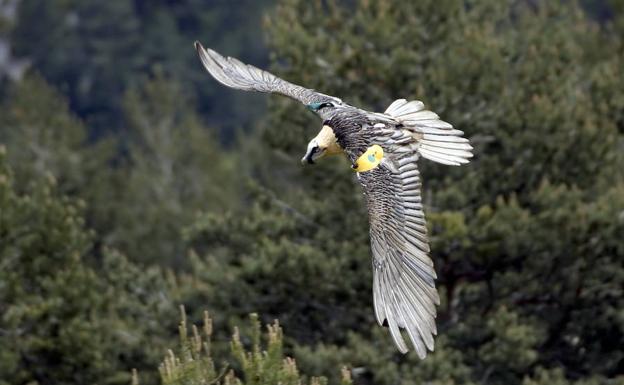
pixel 383 149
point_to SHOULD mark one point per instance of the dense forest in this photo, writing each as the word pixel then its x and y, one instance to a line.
pixel 154 224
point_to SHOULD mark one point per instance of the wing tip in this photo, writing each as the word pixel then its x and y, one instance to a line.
pixel 202 53
pixel 199 48
pixel 207 53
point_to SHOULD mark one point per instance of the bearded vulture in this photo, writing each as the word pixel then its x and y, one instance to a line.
pixel 383 149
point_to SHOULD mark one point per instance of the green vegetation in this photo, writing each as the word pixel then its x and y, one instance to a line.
pixel 94 50
pixel 71 313
pixel 174 163
pixel 119 202
pixel 195 364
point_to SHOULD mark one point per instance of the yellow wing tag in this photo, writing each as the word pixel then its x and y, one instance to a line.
pixel 369 159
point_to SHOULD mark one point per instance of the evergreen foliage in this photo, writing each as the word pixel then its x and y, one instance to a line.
pixel 95 50
pixel 175 164
pixel 66 317
pixel 526 239
pixel 520 237
pixel 47 139
pixel 37 120
pixel 259 365
pixel 169 159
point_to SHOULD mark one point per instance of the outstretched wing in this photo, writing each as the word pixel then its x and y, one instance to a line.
pixel 403 285
pixel 236 74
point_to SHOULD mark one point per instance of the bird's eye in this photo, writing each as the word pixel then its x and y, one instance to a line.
pixel 327 105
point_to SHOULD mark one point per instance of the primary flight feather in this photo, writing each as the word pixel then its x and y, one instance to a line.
pixel 383 149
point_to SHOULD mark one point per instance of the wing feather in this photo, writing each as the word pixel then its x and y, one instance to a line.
pixel 404 291
pixel 233 73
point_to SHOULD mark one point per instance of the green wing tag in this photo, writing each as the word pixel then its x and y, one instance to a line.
pixel 369 159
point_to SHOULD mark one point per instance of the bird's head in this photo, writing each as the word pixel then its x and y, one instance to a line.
pixel 322 145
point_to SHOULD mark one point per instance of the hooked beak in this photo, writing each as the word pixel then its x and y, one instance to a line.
pixel 313 153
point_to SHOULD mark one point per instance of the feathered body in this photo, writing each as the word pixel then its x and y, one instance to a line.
pixel 349 127
pixel 404 290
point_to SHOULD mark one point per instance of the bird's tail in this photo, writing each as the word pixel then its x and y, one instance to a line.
pixel 440 142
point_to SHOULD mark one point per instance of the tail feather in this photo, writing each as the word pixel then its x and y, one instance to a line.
pixel 440 142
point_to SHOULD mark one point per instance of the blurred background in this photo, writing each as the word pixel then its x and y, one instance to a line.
pixel 131 183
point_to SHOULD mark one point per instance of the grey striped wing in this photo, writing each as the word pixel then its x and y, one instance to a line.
pixel 233 73
pixel 403 285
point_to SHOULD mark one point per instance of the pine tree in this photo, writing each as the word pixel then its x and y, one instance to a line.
pixel 175 167
pixel 142 187
pixel 95 51
pixel 525 239
pixel 47 138
pixel 259 365
pixel 70 313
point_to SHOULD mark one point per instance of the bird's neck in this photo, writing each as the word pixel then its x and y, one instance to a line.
pixel 327 138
